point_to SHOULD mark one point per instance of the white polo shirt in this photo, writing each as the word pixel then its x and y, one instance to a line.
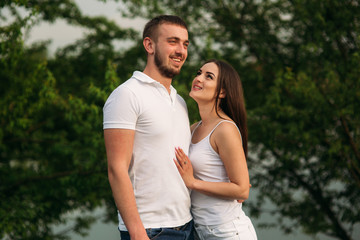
pixel 161 123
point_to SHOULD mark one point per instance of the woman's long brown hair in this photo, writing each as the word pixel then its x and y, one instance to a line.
pixel 233 103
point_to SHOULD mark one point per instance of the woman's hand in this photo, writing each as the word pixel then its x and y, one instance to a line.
pixel 184 166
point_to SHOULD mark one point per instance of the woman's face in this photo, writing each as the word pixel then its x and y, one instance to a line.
pixel 204 84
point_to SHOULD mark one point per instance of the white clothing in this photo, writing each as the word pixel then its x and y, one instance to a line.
pixel 161 123
pixel 240 228
pixel 209 211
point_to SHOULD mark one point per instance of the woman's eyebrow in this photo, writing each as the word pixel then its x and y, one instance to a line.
pixel 211 73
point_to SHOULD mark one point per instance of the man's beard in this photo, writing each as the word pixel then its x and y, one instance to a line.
pixel 163 69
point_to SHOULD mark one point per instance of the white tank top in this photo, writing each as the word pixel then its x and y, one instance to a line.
pixel 208 166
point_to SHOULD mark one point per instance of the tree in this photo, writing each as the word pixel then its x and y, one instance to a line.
pixel 299 64
pixel 52 156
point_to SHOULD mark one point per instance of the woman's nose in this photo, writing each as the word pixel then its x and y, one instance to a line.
pixel 197 78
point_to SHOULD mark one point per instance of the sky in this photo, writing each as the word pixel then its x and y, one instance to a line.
pixel 61 35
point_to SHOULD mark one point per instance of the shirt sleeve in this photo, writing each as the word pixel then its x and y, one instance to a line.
pixel 121 109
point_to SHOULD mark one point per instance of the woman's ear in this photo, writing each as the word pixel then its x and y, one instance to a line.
pixel 148 45
pixel 222 93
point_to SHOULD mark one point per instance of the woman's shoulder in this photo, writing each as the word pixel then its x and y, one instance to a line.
pixel 227 131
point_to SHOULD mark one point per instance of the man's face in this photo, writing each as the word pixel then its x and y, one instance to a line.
pixel 170 49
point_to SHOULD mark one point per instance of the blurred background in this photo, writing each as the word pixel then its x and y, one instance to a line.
pixel 299 64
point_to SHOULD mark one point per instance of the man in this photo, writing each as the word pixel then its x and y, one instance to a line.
pixel 144 120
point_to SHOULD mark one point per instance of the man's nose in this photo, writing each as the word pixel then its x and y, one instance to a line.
pixel 181 49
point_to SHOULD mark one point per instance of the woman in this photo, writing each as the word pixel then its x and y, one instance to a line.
pixel 216 168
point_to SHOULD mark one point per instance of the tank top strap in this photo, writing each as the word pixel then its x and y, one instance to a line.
pixel 222 122
pixel 192 133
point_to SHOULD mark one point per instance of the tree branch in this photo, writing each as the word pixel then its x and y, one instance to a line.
pixel 352 166
pixel 339 231
pixel 351 141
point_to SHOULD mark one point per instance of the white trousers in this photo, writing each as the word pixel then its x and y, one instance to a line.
pixel 234 230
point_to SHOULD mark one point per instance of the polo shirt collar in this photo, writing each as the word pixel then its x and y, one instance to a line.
pixel 143 77
pixel 146 79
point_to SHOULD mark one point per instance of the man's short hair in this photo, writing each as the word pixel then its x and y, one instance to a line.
pixel 151 27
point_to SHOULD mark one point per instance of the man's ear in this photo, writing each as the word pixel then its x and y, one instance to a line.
pixel 222 93
pixel 148 45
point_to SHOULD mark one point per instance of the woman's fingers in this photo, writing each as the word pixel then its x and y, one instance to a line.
pixel 183 161
pixel 177 165
pixel 180 154
pixel 179 161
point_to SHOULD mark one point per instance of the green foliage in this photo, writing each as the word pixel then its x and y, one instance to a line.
pixel 52 156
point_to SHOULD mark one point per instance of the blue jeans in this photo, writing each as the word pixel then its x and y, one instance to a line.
pixel 185 232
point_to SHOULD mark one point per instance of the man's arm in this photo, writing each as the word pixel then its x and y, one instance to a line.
pixel 119 146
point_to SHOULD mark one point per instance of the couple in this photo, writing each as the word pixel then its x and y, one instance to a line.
pixel 155 161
